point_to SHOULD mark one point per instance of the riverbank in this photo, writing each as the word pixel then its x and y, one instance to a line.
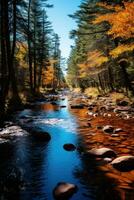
pixel 95 116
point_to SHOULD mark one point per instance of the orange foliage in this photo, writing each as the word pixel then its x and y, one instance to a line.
pixel 95 59
pixel 49 73
pixel 121 20
pixel 121 49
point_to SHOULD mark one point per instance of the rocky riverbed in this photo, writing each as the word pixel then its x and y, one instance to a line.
pixel 108 126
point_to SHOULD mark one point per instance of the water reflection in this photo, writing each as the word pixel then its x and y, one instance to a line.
pixel 39 166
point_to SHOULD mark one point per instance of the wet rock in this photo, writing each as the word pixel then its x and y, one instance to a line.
pixel 63 106
pixel 102 152
pixel 3 141
pixel 122 109
pixel 12 131
pixel 77 106
pixel 108 129
pixel 123 163
pixel 117 130
pixel 107 160
pixel 122 103
pixel 90 113
pixel 40 135
pixel 69 147
pixel 64 191
pixel 115 135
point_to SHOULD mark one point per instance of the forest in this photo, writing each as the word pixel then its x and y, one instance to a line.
pixel 102 56
pixel 30 57
pixel 67 122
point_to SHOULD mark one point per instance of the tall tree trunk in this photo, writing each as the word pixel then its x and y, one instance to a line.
pixel 4 84
pixel 29 48
pixel 110 78
pixel 15 101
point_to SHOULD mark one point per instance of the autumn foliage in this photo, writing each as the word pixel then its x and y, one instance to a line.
pixel 121 20
pixel 95 59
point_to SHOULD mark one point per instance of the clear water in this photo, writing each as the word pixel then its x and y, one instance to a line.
pixel 43 165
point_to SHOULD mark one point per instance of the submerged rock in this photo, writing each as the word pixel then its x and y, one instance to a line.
pixel 123 163
pixel 77 106
pixel 64 191
pixel 69 147
pixel 102 152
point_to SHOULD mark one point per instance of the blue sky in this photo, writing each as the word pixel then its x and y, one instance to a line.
pixel 62 24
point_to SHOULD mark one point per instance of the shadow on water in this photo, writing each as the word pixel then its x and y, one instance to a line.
pixel 30 169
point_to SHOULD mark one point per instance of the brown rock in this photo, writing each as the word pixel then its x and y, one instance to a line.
pixel 64 191
pixel 102 152
pixel 108 129
pixel 123 163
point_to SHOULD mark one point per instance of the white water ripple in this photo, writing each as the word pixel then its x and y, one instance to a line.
pixel 63 123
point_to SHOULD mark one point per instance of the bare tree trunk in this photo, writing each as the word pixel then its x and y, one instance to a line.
pixel 29 49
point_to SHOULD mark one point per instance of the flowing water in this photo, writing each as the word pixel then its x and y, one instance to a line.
pixel 40 166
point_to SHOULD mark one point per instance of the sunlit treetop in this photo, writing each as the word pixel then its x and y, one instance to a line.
pixel 121 20
pixel 121 49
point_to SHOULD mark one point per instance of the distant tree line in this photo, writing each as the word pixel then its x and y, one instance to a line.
pixel 102 56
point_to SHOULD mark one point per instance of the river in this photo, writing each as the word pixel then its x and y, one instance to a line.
pixel 42 165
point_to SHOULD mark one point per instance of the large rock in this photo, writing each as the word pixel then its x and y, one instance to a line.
pixel 12 131
pixel 102 152
pixel 40 135
pixel 108 129
pixel 123 163
pixel 64 191
pixel 69 147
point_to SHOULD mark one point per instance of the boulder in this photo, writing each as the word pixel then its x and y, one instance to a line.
pixel 102 152
pixel 69 147
pixel 40 135
pixel 117 130
pixel 108 129
pixel 64 191
pixel 123 163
